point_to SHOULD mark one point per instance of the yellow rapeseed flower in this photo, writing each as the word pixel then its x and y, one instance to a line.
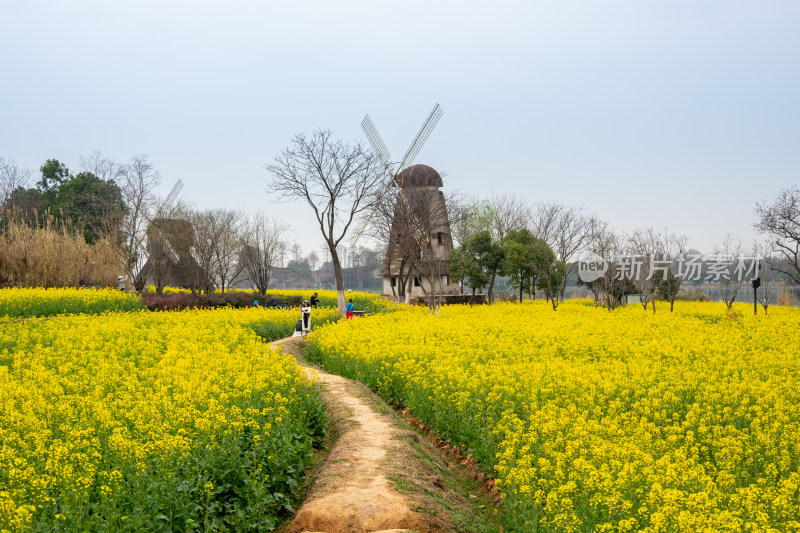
pixel 598 421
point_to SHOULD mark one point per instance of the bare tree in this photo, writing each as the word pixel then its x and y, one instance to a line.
pixel 471 216
pixel 261 240
pixel 653 263
pixel 104 168
pixel 12 176
pixel 225 265
pixel 768 277
pixel 675 248
pixel 429 227
pixel 508 213
pixel 544 219
pixel 139 179
pixel 724 268
pixel 379 228
pixel 647 253
pixel 500 215
pixel 780 220
pixel 567 230
pixel 207 233
pixel 613 284
pixel 334 178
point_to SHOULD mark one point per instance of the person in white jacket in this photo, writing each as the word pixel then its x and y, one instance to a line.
pixel 306 317
pixel 121 281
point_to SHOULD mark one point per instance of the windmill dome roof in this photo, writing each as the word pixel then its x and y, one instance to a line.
pixel 419 176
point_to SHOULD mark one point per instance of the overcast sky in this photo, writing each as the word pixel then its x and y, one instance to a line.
pixel 670 114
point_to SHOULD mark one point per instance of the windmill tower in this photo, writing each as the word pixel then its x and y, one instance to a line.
pixel 417 255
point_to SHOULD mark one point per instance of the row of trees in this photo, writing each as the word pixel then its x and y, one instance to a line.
pixel 111 207
pixel 527 261
pixel 540 248
pixel 533 246
pixel 117 201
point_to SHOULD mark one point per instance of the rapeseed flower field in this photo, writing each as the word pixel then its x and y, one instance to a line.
pixel 139 421
pixel 31 302
pixel 598 421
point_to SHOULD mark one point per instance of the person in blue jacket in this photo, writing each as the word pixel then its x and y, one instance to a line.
pixel 350 308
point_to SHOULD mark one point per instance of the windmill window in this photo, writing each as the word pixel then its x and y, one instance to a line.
pixel 440 237
pixel 394 282
pixel 445 280
pixel 418 282
pixel 419 254
pixel 397 238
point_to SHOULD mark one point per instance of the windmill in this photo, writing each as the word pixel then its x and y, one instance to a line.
pixel 393 170
pixel 155 233
pixel 420 214
pixel 168 247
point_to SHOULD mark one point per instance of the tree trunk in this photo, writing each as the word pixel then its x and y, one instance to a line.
pixel 337 272
pixel 490 292
pixel 563 288
pixel 396 279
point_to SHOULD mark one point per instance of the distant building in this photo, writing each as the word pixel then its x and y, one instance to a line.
pixel 364 278
pixel 280 279
pixel 361 278
pixel 286 278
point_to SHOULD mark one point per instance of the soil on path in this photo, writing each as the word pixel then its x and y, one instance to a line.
pixel 355 490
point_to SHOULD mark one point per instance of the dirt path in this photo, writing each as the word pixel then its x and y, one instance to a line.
pixel 352 492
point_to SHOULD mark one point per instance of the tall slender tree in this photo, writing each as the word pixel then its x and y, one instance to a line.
pixel 334 178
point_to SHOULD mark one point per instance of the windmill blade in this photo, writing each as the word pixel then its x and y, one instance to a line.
pixel 422 136
pixel 173 193
pixel 160 241
pixel 360 229
pixel 375 140
pixel 362 225
pixel 173 255
pixel 158 213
